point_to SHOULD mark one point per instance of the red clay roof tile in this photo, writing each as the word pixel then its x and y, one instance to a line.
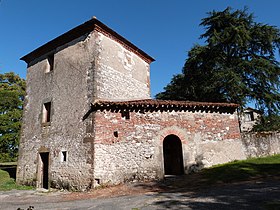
pixel 163 103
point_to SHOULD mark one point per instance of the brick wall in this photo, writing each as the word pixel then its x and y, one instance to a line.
pixel 127 149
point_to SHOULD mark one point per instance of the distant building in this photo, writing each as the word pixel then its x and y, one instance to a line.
pixel 89 117
pixel 248 118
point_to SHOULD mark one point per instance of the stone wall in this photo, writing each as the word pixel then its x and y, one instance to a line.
pixel 128 149
pixel 114 146
pixel 120 74
pixel 261 143
pixel 90 67
pixel 68 87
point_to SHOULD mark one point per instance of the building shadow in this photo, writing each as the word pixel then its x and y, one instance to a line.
pixel 189 192
pixel 262 195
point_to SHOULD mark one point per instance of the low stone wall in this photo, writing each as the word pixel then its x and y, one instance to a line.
pixel 261 143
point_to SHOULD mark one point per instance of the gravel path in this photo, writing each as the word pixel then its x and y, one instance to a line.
pixel 250 195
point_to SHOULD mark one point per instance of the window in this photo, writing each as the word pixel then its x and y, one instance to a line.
pixel 116 134
pixel 248 116
pixel 47 112
pixel 63 156
pixel 50 60
pixel 125 115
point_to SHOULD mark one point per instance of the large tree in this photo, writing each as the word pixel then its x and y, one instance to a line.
pixel 12 91
pixel 237 63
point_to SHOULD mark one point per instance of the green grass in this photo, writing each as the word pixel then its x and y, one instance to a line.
pixel 253 168
pixel 7 183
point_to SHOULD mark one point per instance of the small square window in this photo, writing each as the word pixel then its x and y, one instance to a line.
pixel 50 60
pixel 47 112
pixel 116 134
pixel 249 116
pixel 125 115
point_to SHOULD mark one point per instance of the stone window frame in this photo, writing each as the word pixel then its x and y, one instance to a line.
pixel 47 112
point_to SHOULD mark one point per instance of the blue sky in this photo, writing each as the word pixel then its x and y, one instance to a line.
pixel 164 29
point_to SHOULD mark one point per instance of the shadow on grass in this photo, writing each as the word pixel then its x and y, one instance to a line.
pixel 12 170
pixel 240 172
pixel 230 186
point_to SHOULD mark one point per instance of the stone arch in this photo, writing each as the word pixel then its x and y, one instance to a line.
pixel 171 130
pixel 174 130
pixel 173 155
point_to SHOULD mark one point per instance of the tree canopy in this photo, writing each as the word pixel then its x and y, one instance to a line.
pixel 12 91
pixel 237 63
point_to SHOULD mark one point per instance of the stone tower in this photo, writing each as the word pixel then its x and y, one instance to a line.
pixel 64 77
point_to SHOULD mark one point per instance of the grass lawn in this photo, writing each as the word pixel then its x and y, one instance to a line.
pixel 253 168
pixel 7 183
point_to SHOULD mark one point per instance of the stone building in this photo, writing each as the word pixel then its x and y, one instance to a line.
pixel 248 118
pixel 89 117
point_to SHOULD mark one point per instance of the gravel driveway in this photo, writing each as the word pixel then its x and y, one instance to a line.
pixel 263 194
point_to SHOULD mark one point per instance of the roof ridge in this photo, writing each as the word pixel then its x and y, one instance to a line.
pixel 80 30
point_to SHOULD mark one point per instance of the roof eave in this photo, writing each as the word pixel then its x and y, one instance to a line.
pixel 76 32
pixel 168 104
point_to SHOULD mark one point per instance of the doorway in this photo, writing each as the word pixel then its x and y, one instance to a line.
pixel 173 156
pixel 44 170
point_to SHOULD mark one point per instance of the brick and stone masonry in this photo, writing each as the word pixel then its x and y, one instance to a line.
pixel 89 118
pixel 130 146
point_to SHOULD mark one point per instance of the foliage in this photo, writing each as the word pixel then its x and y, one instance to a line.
pixel 237 63
pixel 12 91
pixel 268 123
pixel 7 183
pixel 243 170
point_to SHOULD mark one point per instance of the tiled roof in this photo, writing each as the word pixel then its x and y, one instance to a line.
pixel 161 104
pixel 92 24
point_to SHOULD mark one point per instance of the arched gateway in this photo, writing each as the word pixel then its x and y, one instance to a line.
pixel 173 156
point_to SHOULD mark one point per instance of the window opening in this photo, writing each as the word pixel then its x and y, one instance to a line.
pixel 47 112
pixel 64 156
pixel 50 63
pixel 249 116
pixel 116 134
pixel 125 115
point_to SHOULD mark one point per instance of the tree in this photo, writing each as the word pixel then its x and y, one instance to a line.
pixel 237 63
pixel 268 123
pixel 12 91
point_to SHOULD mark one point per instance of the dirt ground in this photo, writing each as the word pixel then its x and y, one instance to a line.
pixel 174 193
pixel 170 184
